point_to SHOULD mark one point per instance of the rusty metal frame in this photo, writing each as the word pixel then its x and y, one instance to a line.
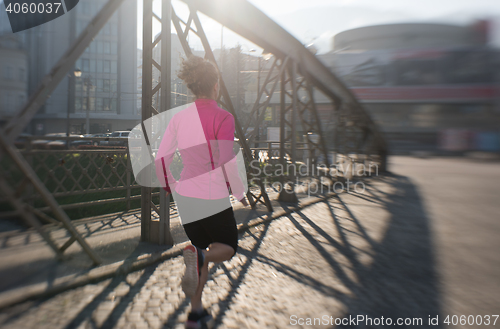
pixel 224 98
pixel 266 91
pixel 296 66
pixel 93 171
pixel 288 128
pixel 281 44
pixel 48 198
pixel 310 121
pixel 17 124
pixel 162 89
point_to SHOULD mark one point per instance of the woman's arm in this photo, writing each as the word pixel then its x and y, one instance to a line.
pixel 164 157
pixel 227 158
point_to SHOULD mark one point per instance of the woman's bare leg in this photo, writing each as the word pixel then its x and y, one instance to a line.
pixel 217 252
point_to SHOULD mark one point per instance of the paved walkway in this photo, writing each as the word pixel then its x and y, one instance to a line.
pixel 404 248
pixel 27 261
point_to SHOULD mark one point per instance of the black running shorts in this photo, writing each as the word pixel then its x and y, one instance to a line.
pixel 220 227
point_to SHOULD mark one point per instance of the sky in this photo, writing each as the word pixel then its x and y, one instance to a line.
pixel 334 16
pixel 316 21
pixel 420 8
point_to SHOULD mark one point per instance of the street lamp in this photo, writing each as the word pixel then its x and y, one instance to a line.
pixel 88 84
pixel 71 92
pixel 70 83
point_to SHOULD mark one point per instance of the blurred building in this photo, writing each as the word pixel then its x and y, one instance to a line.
pixel 406 36
pixel 13 76
pixel 108 68
pixel 4 20
pixel 422 81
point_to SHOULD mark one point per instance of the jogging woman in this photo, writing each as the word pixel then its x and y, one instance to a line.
pixel 204 134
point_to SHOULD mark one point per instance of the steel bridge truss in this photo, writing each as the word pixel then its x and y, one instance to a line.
pixel 296 73
pixel 183 28
pixel 18 123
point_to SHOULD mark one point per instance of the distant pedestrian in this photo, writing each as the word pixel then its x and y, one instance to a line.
pixel 204 135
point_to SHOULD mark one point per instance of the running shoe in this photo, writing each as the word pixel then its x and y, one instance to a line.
pixel 201 320
pixel 193 261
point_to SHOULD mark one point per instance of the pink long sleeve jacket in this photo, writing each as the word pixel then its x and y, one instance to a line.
pixel 204 135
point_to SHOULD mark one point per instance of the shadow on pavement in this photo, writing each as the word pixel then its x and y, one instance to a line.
pixel 400 282
pixel 120 306
pixel 121 302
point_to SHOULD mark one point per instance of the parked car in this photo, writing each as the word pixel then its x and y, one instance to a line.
pixel 44 143
pixel 118 134
pixel 76 143
pixel 20 142
pixel 57 144
pixel 62 144
pixel 100 142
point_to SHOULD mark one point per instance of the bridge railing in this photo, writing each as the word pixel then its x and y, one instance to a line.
pixel 86 180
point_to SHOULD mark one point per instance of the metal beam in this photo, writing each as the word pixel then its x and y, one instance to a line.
pixel 17 124
pixel 166 36
pixel 28 217
pixel 240 16
pixel 47 197
pixel 147 103
pixel 224 94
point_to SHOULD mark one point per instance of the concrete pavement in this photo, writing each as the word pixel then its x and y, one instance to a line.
pixel 418 244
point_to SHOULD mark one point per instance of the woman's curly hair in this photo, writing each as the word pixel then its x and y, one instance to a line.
pixel 199 74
